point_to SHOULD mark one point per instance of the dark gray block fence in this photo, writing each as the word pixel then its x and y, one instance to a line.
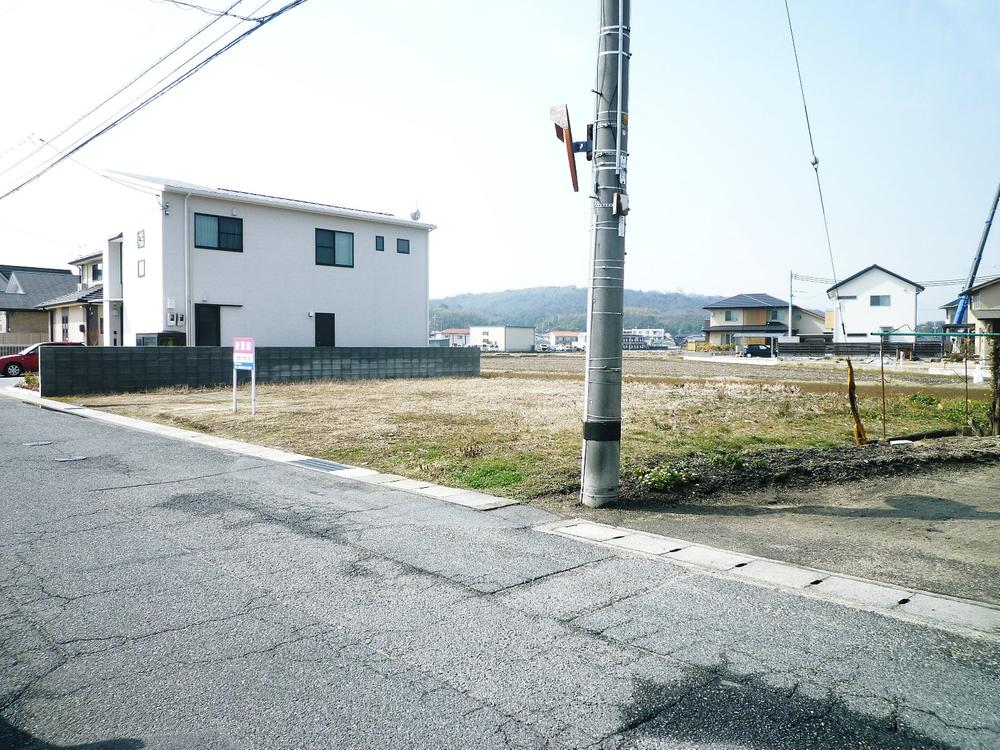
pixel 71 370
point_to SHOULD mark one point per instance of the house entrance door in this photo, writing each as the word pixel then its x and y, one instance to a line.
pixel 93 326
pixel 207 325
pixel 326 329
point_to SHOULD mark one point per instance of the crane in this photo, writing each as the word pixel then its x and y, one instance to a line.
pixel 963 300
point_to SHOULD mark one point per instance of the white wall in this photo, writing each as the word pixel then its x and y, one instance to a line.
pixel 143 308
pixel 519 339
pixel 861 318
pixel 269 289
pixel 807 324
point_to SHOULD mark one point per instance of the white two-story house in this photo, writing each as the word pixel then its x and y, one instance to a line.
pixel 200 266
pixel 874 299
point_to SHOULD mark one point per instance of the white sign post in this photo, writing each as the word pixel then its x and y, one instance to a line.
pixel 243 359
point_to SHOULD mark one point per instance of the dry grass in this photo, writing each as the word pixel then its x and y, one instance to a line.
pixel 519 435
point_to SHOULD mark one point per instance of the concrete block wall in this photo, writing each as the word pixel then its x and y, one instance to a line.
pixel 71 370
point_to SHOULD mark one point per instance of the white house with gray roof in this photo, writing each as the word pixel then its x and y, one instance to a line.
pixel 873 300
pixel 199 266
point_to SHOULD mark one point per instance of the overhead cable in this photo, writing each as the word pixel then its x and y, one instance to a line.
pixel 260 23
pixel 128 85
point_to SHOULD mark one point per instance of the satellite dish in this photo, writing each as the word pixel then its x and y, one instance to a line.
pixel 415 214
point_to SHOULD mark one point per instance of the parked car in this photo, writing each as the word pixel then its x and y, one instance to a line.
pixel 26 360
pixel 757 350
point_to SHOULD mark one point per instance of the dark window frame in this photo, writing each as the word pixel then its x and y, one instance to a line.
pixel 333 248
pixel 380 243
pixel 400 244
pixel 219 233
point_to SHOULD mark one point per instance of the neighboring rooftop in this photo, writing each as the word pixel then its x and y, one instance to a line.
pixel 94 293
pixel 875 267
pixel 243 196
pixel 747 300
pixel 24 287
pixel 87 258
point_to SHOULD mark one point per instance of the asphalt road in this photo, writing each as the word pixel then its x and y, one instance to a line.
pixel 164 595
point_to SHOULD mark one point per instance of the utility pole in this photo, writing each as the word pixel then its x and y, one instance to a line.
pixel 602 418
pixel 607 147
pixel 791 277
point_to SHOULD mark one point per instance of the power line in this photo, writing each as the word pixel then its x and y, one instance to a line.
pixel 128 85
pixel 209 11
pixel 149 89
pixel 932 282
pixel 261 22
pixel 815 166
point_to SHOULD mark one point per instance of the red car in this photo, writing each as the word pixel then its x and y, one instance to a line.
pixel 26 360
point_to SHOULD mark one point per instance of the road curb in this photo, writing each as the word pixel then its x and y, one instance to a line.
pixel 963 616
pixel 427 490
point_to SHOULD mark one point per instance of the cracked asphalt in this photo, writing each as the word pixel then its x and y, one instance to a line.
pixel 160 594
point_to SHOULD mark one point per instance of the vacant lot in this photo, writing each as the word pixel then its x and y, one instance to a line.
pixel 753 458
pixel 516 432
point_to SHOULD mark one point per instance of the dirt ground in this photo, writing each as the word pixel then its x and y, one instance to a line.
pixel 938 531
pixel 746 457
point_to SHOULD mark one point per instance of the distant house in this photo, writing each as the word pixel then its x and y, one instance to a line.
pixel 984 313
pixel 874 299
pixel 653 338
pixel 502 338
pixel 757 319
pixel 456 336
pixel 565 338
pixel 22 289
pixel 79 315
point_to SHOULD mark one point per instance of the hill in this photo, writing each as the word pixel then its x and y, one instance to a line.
pixel 565 307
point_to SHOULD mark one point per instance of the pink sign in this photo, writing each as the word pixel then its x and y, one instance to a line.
pixel 243 354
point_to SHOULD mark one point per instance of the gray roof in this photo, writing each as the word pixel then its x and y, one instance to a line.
pixel 875 267
pixel 244 196
pixel 38 285
pixel 747 300
pixel 91 294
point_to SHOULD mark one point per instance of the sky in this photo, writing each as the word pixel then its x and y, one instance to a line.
pixel 443 105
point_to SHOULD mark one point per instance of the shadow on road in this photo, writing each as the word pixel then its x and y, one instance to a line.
pixel 736 711
pixel 12 738
pixel 917 507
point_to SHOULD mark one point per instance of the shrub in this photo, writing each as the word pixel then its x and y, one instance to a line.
pixel 924 399
pixel 666 478
pixel 30 381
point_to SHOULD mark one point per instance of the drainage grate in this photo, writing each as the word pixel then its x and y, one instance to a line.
pixel 318 464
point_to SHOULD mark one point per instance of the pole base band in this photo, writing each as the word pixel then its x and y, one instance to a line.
pixel 602 431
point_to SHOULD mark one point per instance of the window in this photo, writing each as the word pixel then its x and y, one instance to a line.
pixel 880 300
pixel 334 248
pixel 218 233
pixel 730 315
pixel 379 242
pixel 140 269
pixel 403 246
pixel 775 314
pixel 95 273
pixel 65 323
